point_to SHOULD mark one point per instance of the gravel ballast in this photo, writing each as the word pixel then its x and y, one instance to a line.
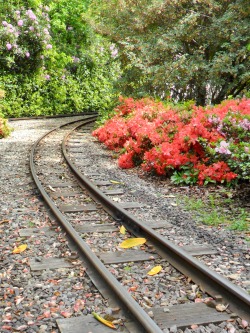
pixel 32 302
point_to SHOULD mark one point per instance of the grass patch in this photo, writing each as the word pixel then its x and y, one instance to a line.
pixel 216 209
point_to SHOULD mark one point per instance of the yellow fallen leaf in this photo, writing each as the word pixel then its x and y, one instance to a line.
pixel 20 248
pixel 131 242
pixel 155 270
pixel 122 230
pixel 116 182
pixel 103 321
pixel 51 188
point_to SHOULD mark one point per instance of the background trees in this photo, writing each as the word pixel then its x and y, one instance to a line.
pixel 55 57
pixel 187 49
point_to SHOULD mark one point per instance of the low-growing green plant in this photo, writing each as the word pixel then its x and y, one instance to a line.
pixel 215 210
pixel 241 221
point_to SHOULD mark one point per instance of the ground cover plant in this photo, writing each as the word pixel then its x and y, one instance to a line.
pixel 190 144
pixel 218 206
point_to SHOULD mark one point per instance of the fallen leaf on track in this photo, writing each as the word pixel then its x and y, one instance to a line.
pixel 19 249
pixel 51 188
pixel 4 221
pixel 122 230
pixel 221 307
pixel 66 314
pixel 79 305
pixel 116 182
pixel 19 299
pixel 131 242
pixel 155 270
pixel 103 321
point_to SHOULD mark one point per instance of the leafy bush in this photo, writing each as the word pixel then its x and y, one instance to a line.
pixel 51 62
pixel 191 145
pixel 4 128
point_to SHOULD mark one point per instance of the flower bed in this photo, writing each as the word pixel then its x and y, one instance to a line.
pixel 189 144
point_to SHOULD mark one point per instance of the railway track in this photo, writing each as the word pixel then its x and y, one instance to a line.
pixel 85 208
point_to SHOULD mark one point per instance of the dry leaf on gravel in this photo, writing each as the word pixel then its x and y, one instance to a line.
pixel 116 182
pixel 155 270
pixel 66 314
pixel 51 188
pixel 19 249
pixel 4 221
pixel 131 242
pixel 221 307
pixel 19 299
pixel 79 305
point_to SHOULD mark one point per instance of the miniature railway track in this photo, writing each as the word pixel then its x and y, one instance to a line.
pixel 69 216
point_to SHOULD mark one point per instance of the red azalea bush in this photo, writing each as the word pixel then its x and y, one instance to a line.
pixel 192 144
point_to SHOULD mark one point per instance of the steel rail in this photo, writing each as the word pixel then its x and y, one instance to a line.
pixel 209 281
pixel 143 320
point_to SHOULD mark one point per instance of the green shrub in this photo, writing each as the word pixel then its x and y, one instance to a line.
pixel 4 128
pixel 58 67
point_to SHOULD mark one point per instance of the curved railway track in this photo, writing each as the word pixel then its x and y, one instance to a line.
pixel 78 215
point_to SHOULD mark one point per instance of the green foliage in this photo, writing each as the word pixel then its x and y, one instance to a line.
pixel 186 49
pixel 4 128
pixel 215 210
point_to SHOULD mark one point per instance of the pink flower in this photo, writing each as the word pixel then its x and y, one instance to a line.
pixel 244 124
pixel 31 28
pixel 20 23
pixel 9 46
pixel 4 23
pixel 27 54
pixel 114 53
pixel 75 59
pixel 222 149
pixel 47 77
pixel 31 15
pixel 49 46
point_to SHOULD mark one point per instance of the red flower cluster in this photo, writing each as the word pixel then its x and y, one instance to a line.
pixel 166 139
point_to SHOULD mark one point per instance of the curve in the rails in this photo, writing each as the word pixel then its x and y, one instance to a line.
pixel 142 318
pixel 210 281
